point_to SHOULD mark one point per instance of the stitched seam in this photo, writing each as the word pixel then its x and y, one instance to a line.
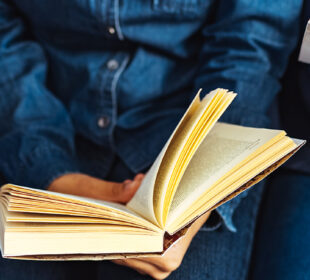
pixel 114 97
pixel 117 22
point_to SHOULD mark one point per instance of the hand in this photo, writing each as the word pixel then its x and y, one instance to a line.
pixel 161 267
pixel 84 185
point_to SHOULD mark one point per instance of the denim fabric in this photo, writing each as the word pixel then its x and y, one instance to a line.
pixel 220 254
pixel 294 113
pixel 114 77
pixel 282 244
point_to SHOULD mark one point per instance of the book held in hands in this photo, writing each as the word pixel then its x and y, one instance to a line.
pixel 203 164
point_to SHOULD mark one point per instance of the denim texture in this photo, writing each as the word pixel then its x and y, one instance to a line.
pixel 82 81
pixel 294 113
pixel 281 250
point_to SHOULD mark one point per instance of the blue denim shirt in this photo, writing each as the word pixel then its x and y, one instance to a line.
pixel 84 80
pixel 294 113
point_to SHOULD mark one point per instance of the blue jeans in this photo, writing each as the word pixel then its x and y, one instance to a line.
pixel 219 254
pixel 282 246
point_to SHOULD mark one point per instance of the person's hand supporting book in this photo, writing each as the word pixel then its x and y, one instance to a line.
pixel 203 164
pixel 157 267
pixel 88 186
pixel 161 267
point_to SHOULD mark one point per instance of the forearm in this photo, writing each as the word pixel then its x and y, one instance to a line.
pixel 195 227
pixel 37 136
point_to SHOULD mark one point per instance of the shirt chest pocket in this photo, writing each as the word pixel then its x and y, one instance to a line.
pixel 182 7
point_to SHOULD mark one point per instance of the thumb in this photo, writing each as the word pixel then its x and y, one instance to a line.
pixel 121 192
pixel 130 188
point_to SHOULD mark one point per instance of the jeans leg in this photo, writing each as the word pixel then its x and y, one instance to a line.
pixel 283 237
pixel 221 254
pixel 37 270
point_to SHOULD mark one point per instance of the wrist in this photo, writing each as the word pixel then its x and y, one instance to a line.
pixel 68 182
pixel 198 224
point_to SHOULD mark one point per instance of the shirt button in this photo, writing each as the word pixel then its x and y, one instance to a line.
pixel 111 30
pixel 112 64
pixel 103 122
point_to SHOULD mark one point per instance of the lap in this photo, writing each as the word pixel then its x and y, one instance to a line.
pixel 35 270
pixel 282 243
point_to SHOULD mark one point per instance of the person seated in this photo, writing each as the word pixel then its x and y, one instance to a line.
pixel 91 90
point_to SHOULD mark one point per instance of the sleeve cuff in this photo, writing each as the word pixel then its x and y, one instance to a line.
pixel 213 222
pixel 41 167
pixel 226 211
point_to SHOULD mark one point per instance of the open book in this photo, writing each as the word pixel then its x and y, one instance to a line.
pixel 203 164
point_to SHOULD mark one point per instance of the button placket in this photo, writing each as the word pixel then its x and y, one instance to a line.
pixel 103 121
pixel 111 30
pixel 113 22
pixel 110 18
pixel 112 64
pixel 107 110
pixel 107 117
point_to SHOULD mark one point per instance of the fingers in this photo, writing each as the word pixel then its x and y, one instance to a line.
pixel 130 187
pixel 128 190
pixel 164 264
pixel 120 192
pixel 88 186
pixel 139 177
pixel 143 268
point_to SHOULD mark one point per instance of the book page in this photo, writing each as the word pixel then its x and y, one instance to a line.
pixel 250 172
pixel 143 200
pixel 28 200
pixel 154 196
pixel 31 193
pixel 199 132
pixel 225 147
pixel 183 147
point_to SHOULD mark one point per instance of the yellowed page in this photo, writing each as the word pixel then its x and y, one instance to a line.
pixel 153 197
pixel 32 193
pixel 188 152
pixel 12 216
pixel 174 150
pixel 224 188
pixel 28 200
pixel 38 239
pixel 225 147
pixel 142 202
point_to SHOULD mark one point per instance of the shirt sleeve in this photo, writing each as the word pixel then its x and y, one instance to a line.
pixel 246 49
pixel 36 134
